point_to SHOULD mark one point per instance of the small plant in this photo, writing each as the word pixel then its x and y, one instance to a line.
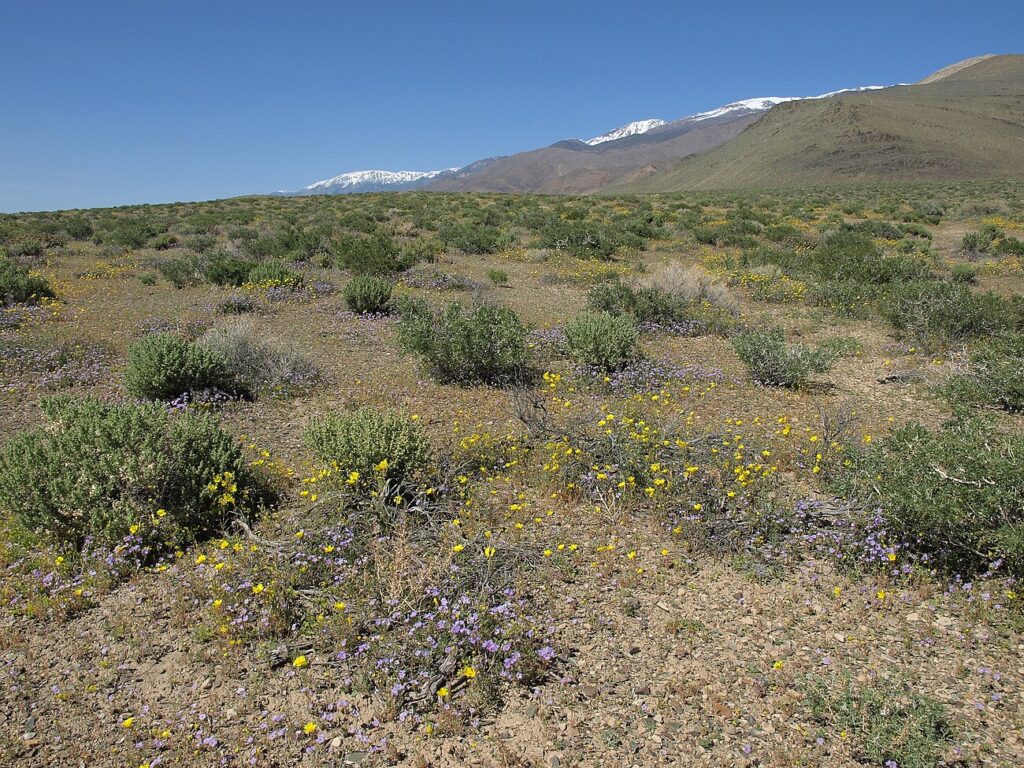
pixel 367 444
pixel 602 340
pixel 890 724
pixel 271 273
pixel 771 361
pixel 486 343
pixel 368 294
pixel 105 472
pixel 164 366
pixel 964 274
pixel 17 286
pixel 994 375
pixel 498 277
pixel 238 303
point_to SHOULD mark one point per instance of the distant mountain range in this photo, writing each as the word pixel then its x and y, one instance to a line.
pixel 965 121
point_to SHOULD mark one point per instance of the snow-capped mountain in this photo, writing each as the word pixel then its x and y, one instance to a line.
pixel 373 181
pixel 746 105
pixel 647 143
pixel 637 126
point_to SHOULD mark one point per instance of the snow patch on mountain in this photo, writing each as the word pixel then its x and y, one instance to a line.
pixel 637 126
pixel 376 177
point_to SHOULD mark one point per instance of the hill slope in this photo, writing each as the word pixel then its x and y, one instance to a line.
pixel 964 122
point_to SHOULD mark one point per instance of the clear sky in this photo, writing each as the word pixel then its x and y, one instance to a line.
pixel 111 102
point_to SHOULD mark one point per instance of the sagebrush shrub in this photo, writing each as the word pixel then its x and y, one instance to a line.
pixel 936 314
pixel 964 273
pixel 994 375
pixel 376 445
pixel 602 340
pixel 772 361
pixel 103 471
pixel 256 363
pixel 366 294
pixel 164 366
pixel 486 343
pixel 17 286
pixel 222 268
pixel 958 494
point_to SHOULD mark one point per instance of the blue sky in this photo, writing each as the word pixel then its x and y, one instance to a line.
pixel 107 103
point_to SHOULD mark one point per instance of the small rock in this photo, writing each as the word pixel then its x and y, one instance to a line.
pixel 531 710
pixel 336 742
pixel 354 758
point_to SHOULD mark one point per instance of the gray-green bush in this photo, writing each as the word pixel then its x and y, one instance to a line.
pixel 102 471
pixel 368 294
pixel 164 366
pixel 486 343
pixel 772 361
pixel 384 445
pixel 602 340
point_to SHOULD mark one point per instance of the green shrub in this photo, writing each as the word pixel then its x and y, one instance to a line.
pixel 17 286
pixel 498 277
pixel 937 314
pixel 888 723
pixel 365 294
pixel 164 366
pixel 848 298
pixel 268 273
pixel 771 361
pixel 377 445
pixel 672 294
pixel 964 273
pixel 852 256
pixel 602 340
pixel 994 376
pixel 376 254
pixel 484 344
pixel 587 239
pixel 958 493
pixel 221 268
pixel 164 242
pixel 133 232
pixel 99 469
pixel 474 237
pixel 180 272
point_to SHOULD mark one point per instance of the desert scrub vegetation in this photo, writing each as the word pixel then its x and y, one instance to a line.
pixel 890 724
pixel 368 294
pixel 163 366
pixel 772 361
pixel 602 340
pixel 19 286
pixel 683 300
pixel 938 315
pixel 957 494
pixel 994 374
pixel 258 364
pixel 367 445
pixel 483 344
pixel 105 472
